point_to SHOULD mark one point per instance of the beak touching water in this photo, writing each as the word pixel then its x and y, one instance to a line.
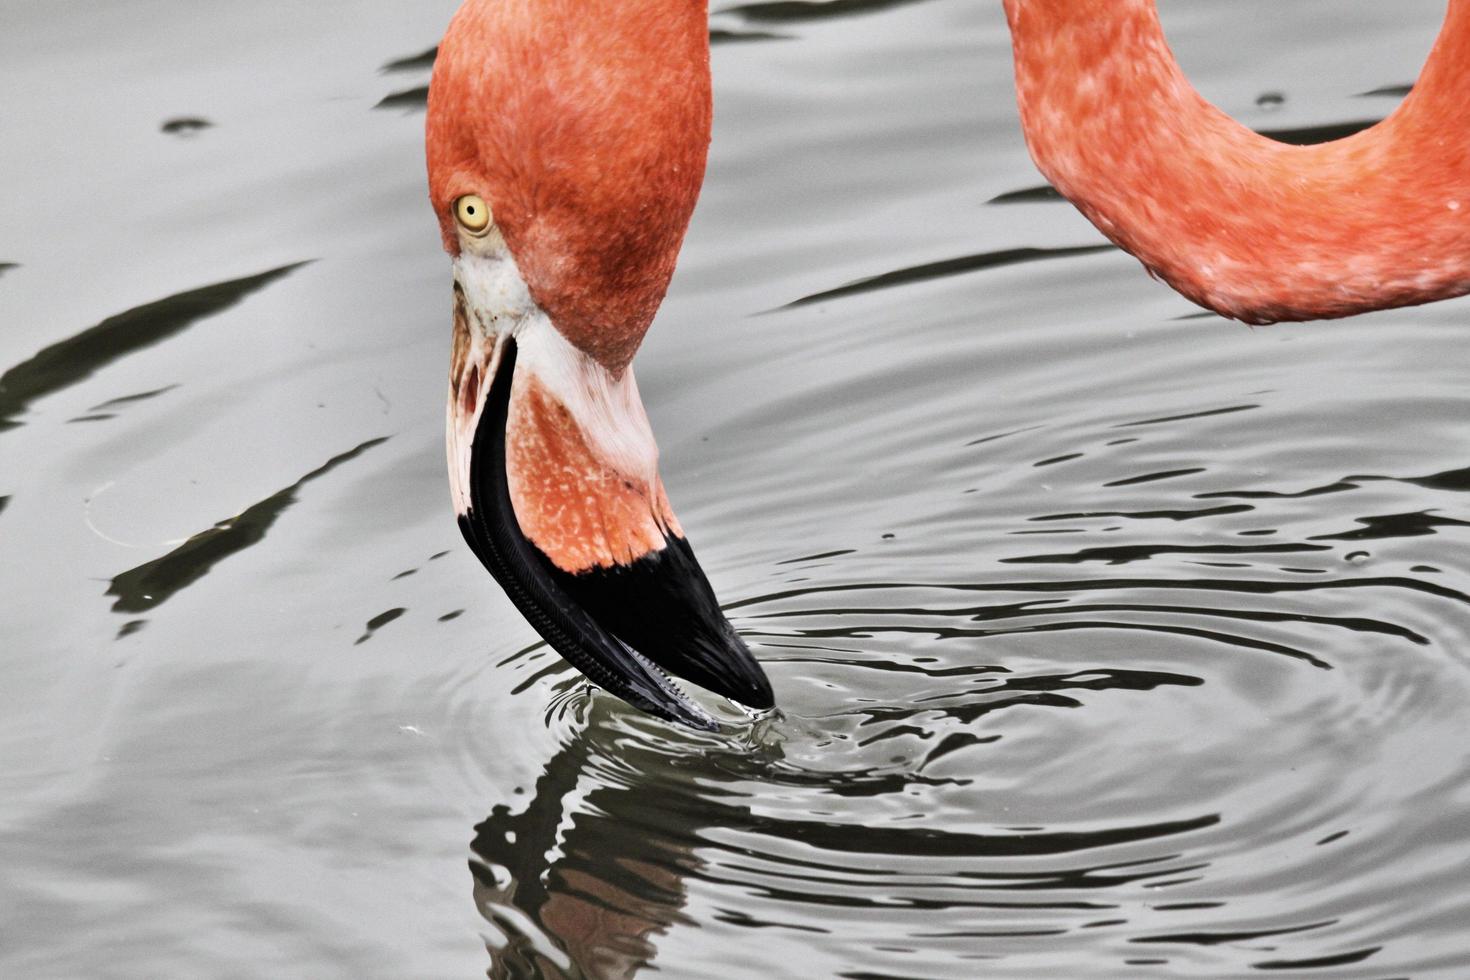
pixel 583 543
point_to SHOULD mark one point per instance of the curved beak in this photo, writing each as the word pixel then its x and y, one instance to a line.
pixel 627 626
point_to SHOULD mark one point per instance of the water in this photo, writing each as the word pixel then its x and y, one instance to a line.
pixel 1113 641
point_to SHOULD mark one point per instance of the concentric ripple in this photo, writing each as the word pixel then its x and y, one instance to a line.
pixel 1033 774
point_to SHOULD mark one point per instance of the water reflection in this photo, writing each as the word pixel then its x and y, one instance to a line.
pixel 574 883
pixel 185 125
pixel 422 61
pixel 583 875
pixel 153 583
pixel 945 267
pixel 76 358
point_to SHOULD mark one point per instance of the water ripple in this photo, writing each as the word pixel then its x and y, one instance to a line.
pixel 945 267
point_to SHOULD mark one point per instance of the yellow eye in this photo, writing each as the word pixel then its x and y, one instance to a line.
pixel 473 213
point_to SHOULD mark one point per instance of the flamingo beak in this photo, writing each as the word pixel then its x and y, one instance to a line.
pixel 627 626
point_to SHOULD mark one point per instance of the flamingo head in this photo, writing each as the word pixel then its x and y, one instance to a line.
pixel 566 145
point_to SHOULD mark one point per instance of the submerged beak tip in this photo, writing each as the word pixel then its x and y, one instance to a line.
pixel 738 676
pixel 761 698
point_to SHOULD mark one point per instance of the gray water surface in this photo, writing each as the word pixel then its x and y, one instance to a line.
pixel 1112 640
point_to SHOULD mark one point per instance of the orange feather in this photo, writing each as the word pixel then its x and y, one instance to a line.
pixel 589 144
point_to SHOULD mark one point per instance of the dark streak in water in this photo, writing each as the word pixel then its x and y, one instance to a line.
pixel 1001 435
pixel 794 11
pixel 718 35
pixel 75 359
pixel 97 413
pixel 1154 477
pixel 946 267
pixel 1123 554
pixel 1028 195
pixel 411 99
pixel 1393 91
pixel 1342 959
pixel 1326 133
pixel 953 742
pixel 1187 415
pixel 1337 487
pixel 1458 480
pixel 929 842
pixel 150 584
pixel 1414 525
pixel 185 125
pixel 1148 515
pixel 129 399
pixel 7 266
pixel 1452 480
pixel 4 502
pixel 414 62
pixel 1220 938
pixel 821 554
pixel 735 917
pixel 378 622
pixel 926 842
pixel 1085 679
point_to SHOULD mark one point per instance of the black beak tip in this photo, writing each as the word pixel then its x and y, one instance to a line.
pixel 662 606
pixel 626 628
pixel 737 675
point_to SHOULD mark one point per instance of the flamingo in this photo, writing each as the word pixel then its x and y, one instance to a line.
pixel 566 144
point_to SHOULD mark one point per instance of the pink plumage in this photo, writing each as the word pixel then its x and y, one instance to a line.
pixel 1251 228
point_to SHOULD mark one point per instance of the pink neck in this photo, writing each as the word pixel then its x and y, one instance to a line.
pixel 1249 227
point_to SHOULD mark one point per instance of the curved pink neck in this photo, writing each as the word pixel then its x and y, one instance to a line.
pixel 1249 227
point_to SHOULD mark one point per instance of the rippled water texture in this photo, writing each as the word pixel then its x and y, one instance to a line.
pixel 1114 640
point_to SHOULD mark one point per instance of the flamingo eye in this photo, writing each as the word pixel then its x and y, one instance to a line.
pixel 472 213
